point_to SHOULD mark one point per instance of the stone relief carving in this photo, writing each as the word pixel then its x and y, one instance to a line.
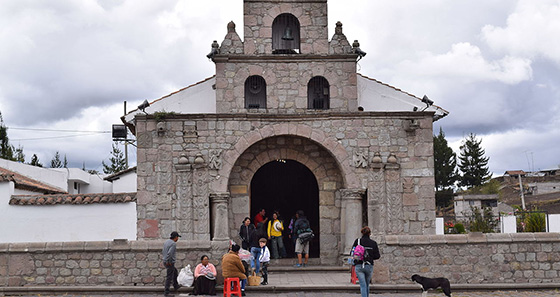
pixel 144 140
pixel 215 161
pixel 190 135
pixel 360 159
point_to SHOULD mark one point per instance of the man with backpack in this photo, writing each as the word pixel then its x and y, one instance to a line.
pixel 364 251
pixel 303 234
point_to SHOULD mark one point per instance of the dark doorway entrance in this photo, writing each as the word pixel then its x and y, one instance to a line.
pixel 286 186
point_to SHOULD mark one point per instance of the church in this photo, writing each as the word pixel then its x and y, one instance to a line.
pixel 286 124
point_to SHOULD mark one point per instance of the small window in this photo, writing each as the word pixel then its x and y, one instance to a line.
pixel 255 92
pixel 285 34
pixel 318 93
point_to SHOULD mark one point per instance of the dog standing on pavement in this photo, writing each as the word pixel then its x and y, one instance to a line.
pixel 432 283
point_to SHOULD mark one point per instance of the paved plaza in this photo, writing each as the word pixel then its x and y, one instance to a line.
pixel 341 294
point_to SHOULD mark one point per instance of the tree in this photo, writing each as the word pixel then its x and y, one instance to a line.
pixel 445 163
pixel 473 163
pixel 19 156
pixel 118 163
pixel 35 161
pixel 6 149
pixel 56 162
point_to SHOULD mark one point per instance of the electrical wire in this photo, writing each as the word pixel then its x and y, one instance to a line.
pixel 54 130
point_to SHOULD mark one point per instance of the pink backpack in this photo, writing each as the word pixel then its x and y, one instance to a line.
pixel 359 252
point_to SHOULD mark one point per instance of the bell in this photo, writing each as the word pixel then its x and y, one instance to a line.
pixel 288 34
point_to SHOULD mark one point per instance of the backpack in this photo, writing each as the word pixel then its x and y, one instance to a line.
pixel 360 253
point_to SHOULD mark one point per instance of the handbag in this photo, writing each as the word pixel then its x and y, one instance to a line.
pixel 254 280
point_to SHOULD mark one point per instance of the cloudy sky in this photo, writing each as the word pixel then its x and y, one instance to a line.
pixel 67 66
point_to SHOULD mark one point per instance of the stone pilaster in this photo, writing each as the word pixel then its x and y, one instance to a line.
pixel 219 203
pixel 352 200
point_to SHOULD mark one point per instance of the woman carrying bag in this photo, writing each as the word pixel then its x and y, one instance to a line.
pixel 364 251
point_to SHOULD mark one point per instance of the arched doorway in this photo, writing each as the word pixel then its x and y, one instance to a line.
pixel 286 186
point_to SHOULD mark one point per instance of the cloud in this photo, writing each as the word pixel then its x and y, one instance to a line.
pixel 532 30
pixel 465 62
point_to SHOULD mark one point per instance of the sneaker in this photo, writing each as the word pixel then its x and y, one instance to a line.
pixel 242 293
pixel 304 265
pixel 264 283
pixel 298 265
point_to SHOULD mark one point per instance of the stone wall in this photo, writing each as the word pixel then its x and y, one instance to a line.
pixel 116 263
pixel 259 15
pixel 471 258
pixel 183 159
pixel 464 259
pixel 287 82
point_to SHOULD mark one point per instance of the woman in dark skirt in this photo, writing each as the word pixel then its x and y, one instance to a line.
pixel 204 277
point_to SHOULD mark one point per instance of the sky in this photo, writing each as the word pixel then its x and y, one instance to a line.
pixel 68 66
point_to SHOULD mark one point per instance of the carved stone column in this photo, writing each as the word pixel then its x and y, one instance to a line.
pixel 219 202
pixel 352 199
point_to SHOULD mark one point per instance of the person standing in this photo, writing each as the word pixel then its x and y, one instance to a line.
pixel 255 248
pixel 232 267
pixel 168 254
pixel 302 248
pixel 264 259
pixel 364 268
pixel 260 217
pixel 274 230
pixel 245 231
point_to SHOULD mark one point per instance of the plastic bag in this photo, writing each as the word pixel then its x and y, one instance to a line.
pixel 186 277
pixel 245 255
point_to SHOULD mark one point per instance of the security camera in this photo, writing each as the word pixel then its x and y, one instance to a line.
pixel 143 106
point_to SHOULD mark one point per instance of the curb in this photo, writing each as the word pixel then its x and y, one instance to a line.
pixel 376 288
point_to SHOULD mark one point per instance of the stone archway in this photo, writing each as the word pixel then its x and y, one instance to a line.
pixel 313 156
pixel 287 186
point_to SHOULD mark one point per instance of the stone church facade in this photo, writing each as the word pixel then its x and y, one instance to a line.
pixel 288 132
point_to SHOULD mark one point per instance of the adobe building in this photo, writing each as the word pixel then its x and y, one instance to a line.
pixel 286 123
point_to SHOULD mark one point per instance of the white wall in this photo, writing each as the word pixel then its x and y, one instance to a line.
pixel 44 175
pixel 439 226
pixel 554 223
pixel 509 224
pixel 40 223
pixel 126 183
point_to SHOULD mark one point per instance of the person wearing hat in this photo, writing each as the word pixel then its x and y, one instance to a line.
pixel 168 253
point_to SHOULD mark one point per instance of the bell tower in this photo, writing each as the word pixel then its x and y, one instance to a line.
pixel 285 62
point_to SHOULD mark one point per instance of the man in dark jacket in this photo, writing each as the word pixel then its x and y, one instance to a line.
pixel 168 254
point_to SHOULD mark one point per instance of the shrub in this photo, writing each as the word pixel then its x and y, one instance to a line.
pixel 460 228
pixel 482 221
pixel 535 222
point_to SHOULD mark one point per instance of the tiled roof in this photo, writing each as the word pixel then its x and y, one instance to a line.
pixel 72 199
pixel 515 172
pixel 25 183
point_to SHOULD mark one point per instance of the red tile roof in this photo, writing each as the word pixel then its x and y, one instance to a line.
pixel 72 199
pixel 25 183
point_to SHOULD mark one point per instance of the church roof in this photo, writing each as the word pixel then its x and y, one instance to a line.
pixel 373 95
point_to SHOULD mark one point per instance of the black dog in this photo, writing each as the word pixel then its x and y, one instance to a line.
pixel 432 283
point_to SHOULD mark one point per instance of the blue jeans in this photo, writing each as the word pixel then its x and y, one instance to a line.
pixel 364 274
pixel 256 253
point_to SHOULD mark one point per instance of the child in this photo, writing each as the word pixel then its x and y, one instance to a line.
pixel 264 258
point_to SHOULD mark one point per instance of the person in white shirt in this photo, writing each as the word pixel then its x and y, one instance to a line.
pixel 264 259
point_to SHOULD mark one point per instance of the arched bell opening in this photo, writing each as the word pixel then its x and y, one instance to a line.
pixel 285 34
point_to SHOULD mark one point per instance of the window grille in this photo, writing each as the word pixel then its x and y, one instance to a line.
pixel 318 93
pixel 255 92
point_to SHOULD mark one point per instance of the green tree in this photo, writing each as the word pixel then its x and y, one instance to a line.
pixel 6 149
pixel 482 220
pixel 56 162
pixel 445 162
pixel 35 161
pixel 472 163
pixel 118 162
